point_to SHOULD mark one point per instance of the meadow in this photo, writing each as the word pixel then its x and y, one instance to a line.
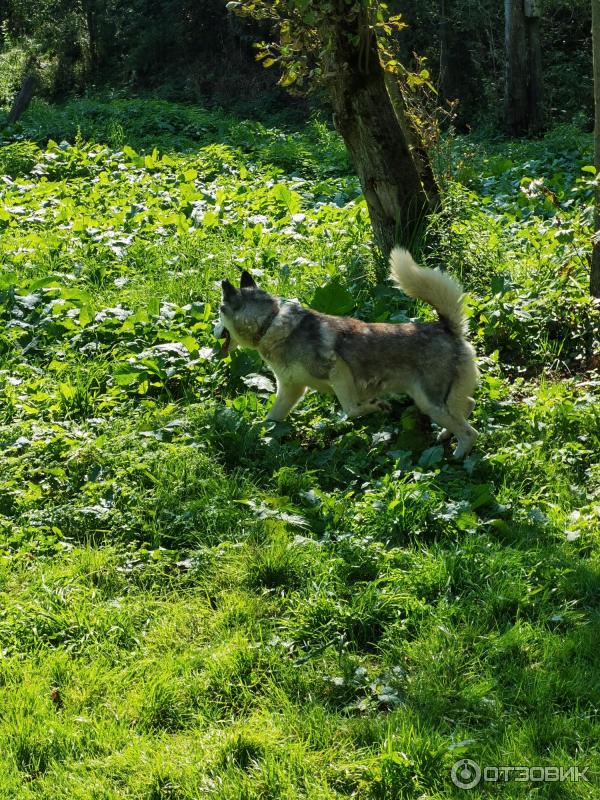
pixel 196 604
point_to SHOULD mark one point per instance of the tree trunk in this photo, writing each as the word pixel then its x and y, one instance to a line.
pixel 91 22
pixel 22 99
pixel 444 52
pixel 393 169
pixel 595 269
pixel 534 88
pixel 523 96
pixel 415 144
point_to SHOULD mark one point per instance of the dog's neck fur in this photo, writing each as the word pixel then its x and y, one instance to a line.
pixel 264 328
pixel 275 329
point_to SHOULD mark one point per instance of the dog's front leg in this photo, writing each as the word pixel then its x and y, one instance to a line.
pixel 288 395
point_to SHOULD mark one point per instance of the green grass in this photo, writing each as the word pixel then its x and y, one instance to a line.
pixel 193 604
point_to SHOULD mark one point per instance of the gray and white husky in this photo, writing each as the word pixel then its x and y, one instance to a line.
pixel 359 361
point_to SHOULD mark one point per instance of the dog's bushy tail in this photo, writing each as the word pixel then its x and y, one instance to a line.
pixel 434 287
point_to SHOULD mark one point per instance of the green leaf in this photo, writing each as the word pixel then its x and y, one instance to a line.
pixel 85 315
pixel 210 219
pixel 154 307
pixel 481 495
pixel 291 200
pixel 67 390
pixel 466 520
pixel 67 293
pixel 126 375
pixel 183 224
pixel 431 456
pixel 190 343
pixel 333 298
pixel 7 279
pixel 44 283
pixel 288 79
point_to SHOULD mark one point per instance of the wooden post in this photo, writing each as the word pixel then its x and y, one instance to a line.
pixel 532 12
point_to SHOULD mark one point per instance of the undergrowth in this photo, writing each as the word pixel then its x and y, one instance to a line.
pixel 195 604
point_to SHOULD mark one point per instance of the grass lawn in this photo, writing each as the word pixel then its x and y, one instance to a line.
pixel 193 604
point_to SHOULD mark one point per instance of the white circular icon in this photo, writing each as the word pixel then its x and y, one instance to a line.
pixel 465 773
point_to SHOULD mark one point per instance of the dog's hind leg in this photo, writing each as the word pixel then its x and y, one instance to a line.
pixel 460 404
pixel 288 394
pixel 451 423
pixel 465 433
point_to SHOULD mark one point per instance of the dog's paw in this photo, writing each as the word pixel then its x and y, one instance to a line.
pixel 465 444
pixel 275 429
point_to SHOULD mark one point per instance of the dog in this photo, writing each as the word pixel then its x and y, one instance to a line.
pixel 432 362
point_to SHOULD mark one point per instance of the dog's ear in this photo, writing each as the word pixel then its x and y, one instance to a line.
pixel 229 291
pixel 247 281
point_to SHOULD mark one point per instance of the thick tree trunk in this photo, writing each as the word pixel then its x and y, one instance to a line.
pixel 23 98
pixel 392 166
pixel 522 106
pixel 595 270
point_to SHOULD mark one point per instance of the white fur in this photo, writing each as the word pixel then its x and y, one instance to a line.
pixel 218 329
pixel 434 287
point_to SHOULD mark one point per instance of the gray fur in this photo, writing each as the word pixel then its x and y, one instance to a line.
pixel 360 361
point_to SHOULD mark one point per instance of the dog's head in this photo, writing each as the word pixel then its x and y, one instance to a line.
pixel 245 314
